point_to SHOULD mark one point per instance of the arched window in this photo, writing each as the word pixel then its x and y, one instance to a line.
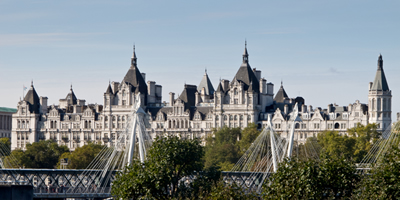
pixel 19 124
pixel 337 125
pixel 225 117
pixel 384 104
pixel 86 124
pixel 378 104
pixel 373 104
pixel 297 126
pixel 231 117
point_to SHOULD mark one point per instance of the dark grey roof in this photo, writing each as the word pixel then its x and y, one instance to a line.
pixel 206 84
pixel 134 77
pixel 202 110
pixel 281 95
pixel 109 89
pixel 33 99
pixel 246 75
pixel 188 95
pixel 219 88
pixel 71 98
pixel 380 82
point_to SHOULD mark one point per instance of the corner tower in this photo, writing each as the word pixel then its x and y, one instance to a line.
pixel 380 99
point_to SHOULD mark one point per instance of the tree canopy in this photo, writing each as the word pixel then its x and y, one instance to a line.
pixel 384 181
pixel 312 179
pixel 227 145
pixel 168 161
pixel 354 146
pixel 43 154
pixel 82 156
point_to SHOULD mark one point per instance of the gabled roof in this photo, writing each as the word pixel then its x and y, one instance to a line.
pixel 71 98
pixel 281 95
pixel 219 88
pixel 188 95
pixel 246 75
pixel 206 84
pixel 33 99
pixel 134 77
pixel 109 89
pixel 380 83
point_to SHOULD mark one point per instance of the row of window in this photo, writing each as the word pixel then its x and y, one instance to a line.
pixel 5 122
pixel 22 124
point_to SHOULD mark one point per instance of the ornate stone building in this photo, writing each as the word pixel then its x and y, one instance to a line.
pixel 247 98
pixel 6 121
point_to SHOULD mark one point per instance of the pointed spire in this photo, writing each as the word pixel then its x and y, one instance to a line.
pixel 134 58
pixel 32 83
pixel 206 84
pixel 219 88
pixel 380 83
pixel 109 89
pixel 71 87
pixel 281 95
pixel 245 54
pixel 380 62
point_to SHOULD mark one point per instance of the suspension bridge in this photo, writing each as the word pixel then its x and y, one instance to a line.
pixel 251 171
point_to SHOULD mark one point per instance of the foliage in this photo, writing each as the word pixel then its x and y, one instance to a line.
pixel 336 145
pixel 82 156
pixel 354 146
pixel 365 137
pixel 43 154
pixel 384 182
pixel 248 135
pixel 310 179
pixel 222 150
pixel 168 161
pixel 221 191
pixel 201 187
pixel 5 146
pixel 132 183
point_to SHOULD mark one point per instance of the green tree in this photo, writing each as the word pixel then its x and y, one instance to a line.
pixel 248 135
pixel 168 161
pixel 221 191
pixel 5 146
pixel 311 179
pixel 82 156
pixel 222 149
pixel 365 137
pixel 42 154
pixel 336 145
pixel 384 182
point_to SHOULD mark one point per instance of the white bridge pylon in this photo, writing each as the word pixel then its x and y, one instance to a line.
pixel 121 153
pixel 267 151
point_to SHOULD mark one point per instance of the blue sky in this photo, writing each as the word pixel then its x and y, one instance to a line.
pixel 324 51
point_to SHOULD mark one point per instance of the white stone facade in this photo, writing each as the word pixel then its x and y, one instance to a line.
pixel 248 98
